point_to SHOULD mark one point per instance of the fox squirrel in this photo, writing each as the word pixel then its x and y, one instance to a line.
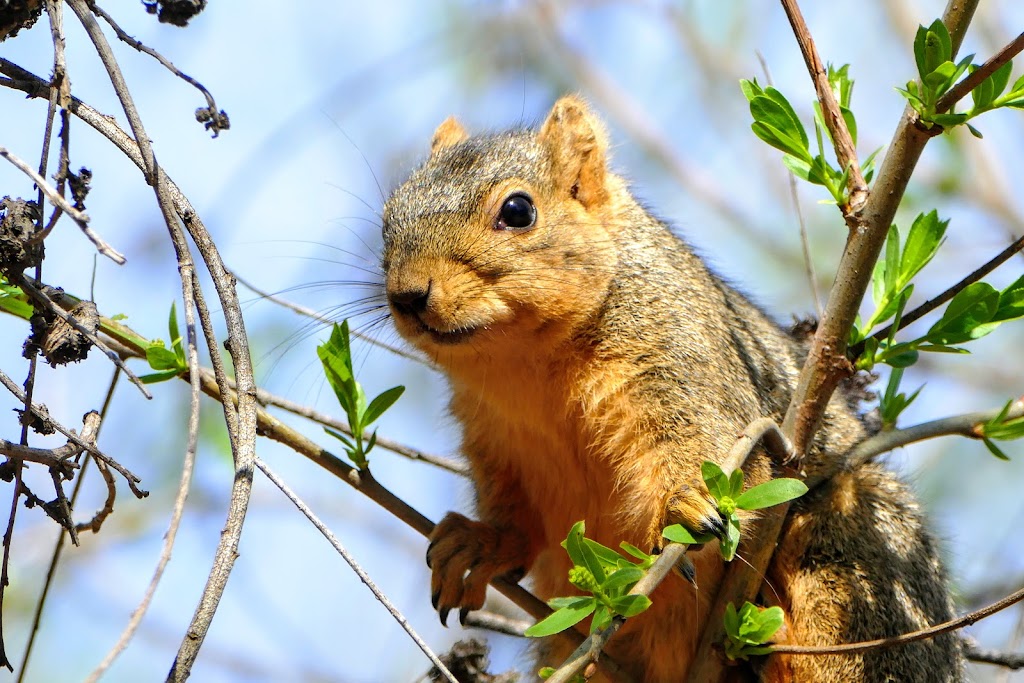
pixel 595 362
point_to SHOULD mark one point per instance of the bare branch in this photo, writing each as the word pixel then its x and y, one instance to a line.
pixel 1009 660
pixel 923 634
pixel 217 120
pixel 885 441
pixel 58 200
pixel 360 572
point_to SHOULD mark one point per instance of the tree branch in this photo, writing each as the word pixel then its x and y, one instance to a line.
pixel 923 634
pixel 846 151
pixel 973 80
pixel 359 571
pixel 933 303
pixel 826 362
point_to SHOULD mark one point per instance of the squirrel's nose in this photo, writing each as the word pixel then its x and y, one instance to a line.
pixel 411 300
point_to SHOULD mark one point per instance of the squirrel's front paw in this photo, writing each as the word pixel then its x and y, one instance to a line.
pixel 694 508
pixel 464 556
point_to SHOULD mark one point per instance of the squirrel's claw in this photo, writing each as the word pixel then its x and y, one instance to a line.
pixel 464 555
pixel 694 508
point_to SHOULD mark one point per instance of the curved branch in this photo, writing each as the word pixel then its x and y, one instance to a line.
pixel 974 79
pixel 762 430
pixel 964 425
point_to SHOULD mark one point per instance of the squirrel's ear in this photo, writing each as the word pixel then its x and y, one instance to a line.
pixel 578 143
pixel 449 133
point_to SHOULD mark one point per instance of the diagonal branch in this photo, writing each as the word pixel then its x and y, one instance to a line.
pixel 974 79
pixel 846 151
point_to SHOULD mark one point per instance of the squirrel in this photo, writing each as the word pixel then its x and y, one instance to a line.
pixel 595 361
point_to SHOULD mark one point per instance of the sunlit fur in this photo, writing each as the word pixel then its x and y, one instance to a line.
pixel 594 363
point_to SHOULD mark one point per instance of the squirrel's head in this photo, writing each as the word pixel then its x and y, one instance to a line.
pixel 499 238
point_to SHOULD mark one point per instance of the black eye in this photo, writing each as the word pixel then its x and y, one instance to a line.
pixel 517 213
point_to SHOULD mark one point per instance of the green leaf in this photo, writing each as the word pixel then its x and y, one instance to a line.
pixel 573 543
pixel 965 316
pixel 923 241
pixel 779 139
pixel 155 377
pixel 892 260
pixel 793 126
pixel 636 552
pixel 341 437
pixel 608 557
pixel 565 617
pixel 622 578
pixel 762 625
pixel 736 483
pixel 630 605
pixel 771 493
pixel 380 404
pixel 1011 301
pixel 172 327
pixel 948 120
pixel 715 479
pixel 731 542
pixel 680 534
pixel 938 79
pixel 602 618
pixel 995 450
pixel 161 358
pixel 750 88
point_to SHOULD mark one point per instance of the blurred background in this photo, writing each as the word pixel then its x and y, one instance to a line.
pixel 331 104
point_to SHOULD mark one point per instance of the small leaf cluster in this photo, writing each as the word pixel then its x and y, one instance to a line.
pixel 1001 428
pixel 168 362
pixel 776 123
pixel 606 575
pixel 748 629
pixel 336 357
pixel 729 495
pixel 933 53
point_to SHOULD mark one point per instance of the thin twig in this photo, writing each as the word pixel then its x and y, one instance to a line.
pixel 903 639
pixel 359 571
pixel 885 441
pixel 974 79
pixel 77 216
pixel 933 303
pixel 846 151
pixel 1009 660
pixel 138 45
pixel 130 478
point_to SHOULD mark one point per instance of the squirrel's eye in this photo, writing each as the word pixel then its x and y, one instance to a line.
pixel 517 213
